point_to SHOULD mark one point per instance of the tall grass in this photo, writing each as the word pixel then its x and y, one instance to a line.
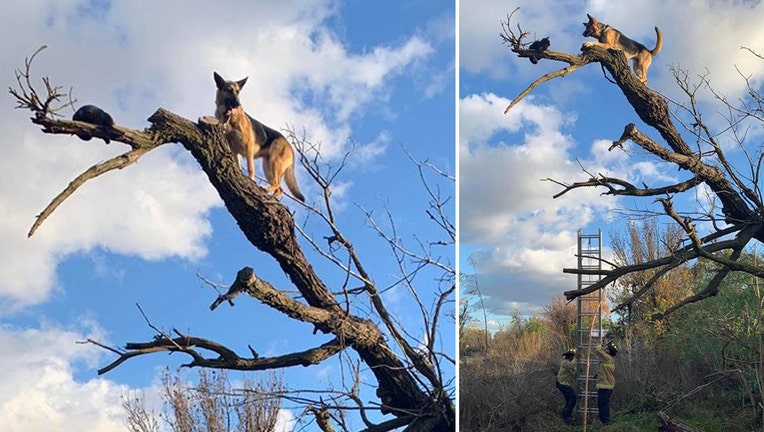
pixel 513 389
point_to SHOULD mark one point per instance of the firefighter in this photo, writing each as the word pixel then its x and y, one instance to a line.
pixel 605 379
pixel 566 383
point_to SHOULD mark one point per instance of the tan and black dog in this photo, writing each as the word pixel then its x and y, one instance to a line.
pixel 608 37
pixel 252 139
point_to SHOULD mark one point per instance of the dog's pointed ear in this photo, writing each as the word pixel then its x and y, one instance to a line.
pixel 591 19
pixel 241 82
pixel 219 81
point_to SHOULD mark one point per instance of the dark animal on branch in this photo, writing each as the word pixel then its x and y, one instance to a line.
pixel 93 115
pixel 539 46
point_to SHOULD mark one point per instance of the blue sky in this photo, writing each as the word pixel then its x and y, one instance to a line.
pixel 380 74
pixel 518 236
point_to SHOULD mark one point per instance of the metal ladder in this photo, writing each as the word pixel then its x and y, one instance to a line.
pixel 589 323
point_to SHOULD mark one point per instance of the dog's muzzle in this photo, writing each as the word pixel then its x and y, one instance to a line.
pixel 231 102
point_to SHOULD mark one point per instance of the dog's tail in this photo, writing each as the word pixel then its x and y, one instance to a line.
pixel 291 182
pixel 658 42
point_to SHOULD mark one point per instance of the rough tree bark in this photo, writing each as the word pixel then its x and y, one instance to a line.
pixel 409 387
pixel 741 217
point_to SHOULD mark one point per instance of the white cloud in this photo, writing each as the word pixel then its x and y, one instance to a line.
pixel 133 57
pixel 525 235
pixel 502 194
pixel 155 209
pixel 603 155
pixel 285 422
pixel 38 390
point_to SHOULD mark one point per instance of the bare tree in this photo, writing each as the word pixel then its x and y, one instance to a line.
pixel 645 241
pixel 213 405
pixel 560 316
pixel 465 315
pixel 414 387
pixel 736 210
pixel 473 289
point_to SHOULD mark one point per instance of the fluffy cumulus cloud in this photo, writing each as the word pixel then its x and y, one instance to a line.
pixel 285 421
pixel 133 57
pixel 155 210
pixel 39 390
pixel 503 192
pixel 523 237
pixel 519 236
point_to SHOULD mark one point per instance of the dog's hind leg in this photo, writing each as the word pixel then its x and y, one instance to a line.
pixel 272 175
pixel 640 64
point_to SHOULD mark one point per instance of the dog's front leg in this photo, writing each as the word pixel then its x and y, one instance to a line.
pixel 595 44
pixel 251 164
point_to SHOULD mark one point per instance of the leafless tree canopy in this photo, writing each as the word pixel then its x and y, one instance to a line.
pixel 214 405
pixel 412 388
pixel 688 142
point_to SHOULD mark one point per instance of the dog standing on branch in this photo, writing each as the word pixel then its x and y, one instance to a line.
pixel 251 139
pixel 608 37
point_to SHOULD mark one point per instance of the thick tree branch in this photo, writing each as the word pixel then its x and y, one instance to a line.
pixel 226 358
pixel 616 186
pixel 682 255
pixel 420 362
pixel 689 161
pixel 649 284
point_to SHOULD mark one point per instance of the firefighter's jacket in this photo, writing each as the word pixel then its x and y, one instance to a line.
pixel 606 374
pixel 567 373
